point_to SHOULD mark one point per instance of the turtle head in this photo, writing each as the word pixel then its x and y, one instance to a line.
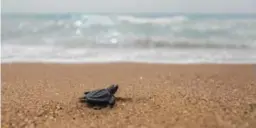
pixel 113 88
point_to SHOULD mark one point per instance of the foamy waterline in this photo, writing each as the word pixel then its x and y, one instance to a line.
pixel 100 55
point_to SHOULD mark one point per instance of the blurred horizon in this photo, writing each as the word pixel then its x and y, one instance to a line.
pixel 131 6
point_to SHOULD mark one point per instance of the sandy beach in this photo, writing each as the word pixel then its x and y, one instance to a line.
pixel 152 96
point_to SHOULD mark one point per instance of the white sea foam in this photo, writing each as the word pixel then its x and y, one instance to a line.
pixel 14 53
pixel 160 21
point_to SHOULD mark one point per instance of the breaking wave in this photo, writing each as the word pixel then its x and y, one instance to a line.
pixel 68 36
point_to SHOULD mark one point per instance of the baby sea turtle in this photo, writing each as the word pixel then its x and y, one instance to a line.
pixel 101 97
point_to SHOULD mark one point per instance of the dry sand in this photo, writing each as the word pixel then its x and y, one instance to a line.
pixel 156 96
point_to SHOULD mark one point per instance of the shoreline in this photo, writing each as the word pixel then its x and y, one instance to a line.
pixel 160 95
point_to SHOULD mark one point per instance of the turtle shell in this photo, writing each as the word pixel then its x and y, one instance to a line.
pixel 98 96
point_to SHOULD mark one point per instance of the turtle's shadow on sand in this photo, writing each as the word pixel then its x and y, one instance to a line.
pixel 119 99
pixel 96 107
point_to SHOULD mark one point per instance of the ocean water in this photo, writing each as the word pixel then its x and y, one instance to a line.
pixel 152 38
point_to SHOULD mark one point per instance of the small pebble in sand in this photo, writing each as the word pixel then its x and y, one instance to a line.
pixel 20 114
pixel 58 107
pixel 31 126
pixel 92 125
pixel 26 120
pixel 51 117
pixel 185 112
pixel 35 118
pixel 131 126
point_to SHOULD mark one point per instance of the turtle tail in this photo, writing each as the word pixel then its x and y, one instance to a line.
pixel 82 99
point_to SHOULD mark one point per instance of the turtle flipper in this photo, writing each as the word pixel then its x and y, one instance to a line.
pixel 97 107
pixel 112 101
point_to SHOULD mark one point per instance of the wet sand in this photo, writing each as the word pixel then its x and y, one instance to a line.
pixel 151 96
